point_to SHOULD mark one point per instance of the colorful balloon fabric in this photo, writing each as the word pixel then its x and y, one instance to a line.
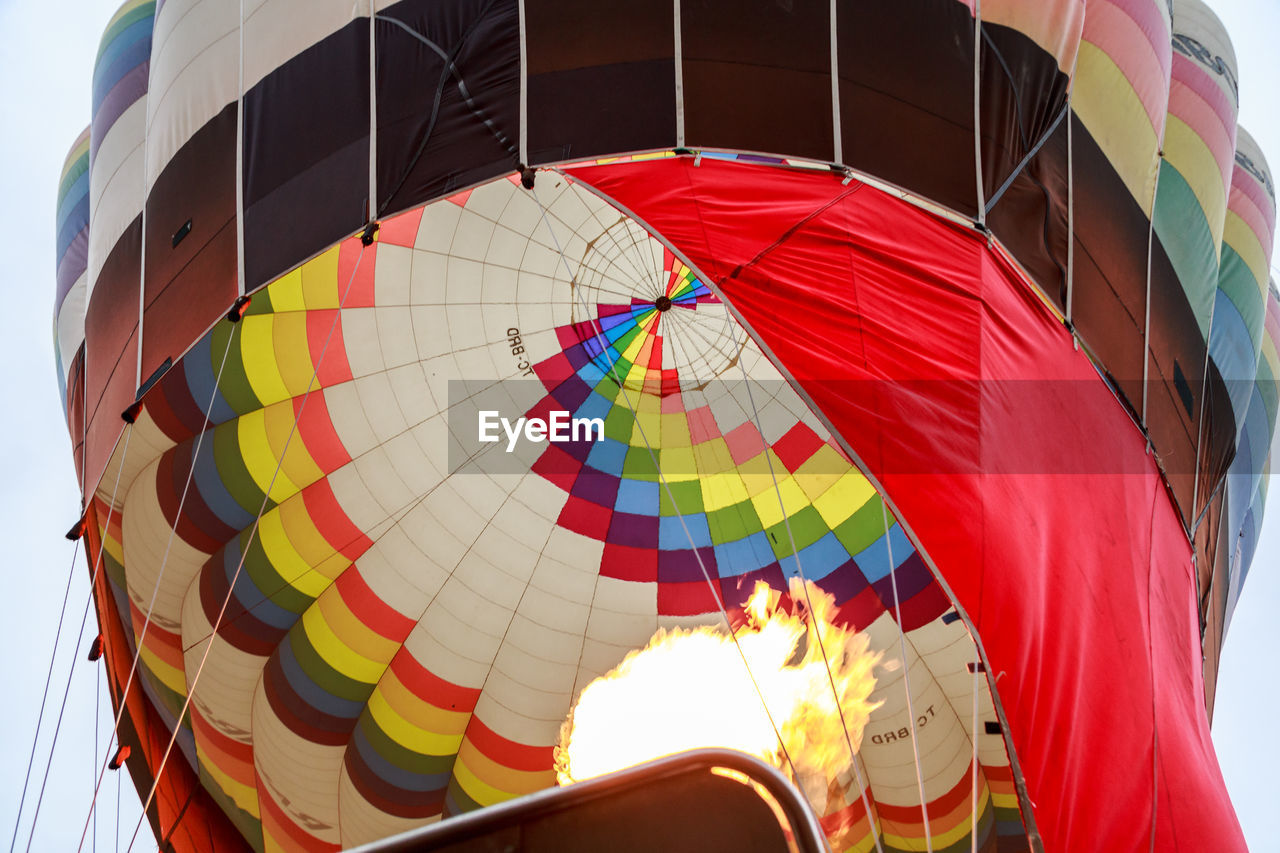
pixel 314 265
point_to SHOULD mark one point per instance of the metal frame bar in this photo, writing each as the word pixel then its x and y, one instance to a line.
pixel 803 825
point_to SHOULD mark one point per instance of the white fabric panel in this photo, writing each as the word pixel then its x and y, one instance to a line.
pixel 1193 18
pixel 70 323
pixel 195 63
pixel 277 30
pixel 115 187
pixel 301 776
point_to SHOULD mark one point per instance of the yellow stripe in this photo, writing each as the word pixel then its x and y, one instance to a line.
pixel 1238 234
pixel 298 466
pixel 336 653
pixel 485 794
pixel 713 457
pixel 677 464
pixel 840 501
pixel 286 293
pixel 292 567
pixel 1005 801
pixel 722 490
pixel 167 675
pixel 757 475
pixel 865 845
pixel 309 543
pixel 650 423
pixel 409 706
pixel 320 281
pixel 420 740
pixel 675 430
pixel 767 504
pixel 257 350
pixel 356 635
pixel 244 796
pixel 124 10
pixel 820 472
pixel 1111 109
pixel 499 777
pixel 259 457
pixel 1190 155
pixel 292 355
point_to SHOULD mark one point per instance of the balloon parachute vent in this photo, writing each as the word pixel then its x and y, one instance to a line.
pixel 121 756
pixel 688 689
pixel 96 648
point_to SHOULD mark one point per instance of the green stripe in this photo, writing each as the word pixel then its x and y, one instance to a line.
pixel 1270 397
pixel 146 10
pixel 324 675
pixel 401 755
pixel 863 528
pixel 1184 232
pixel 460 797
pixel 1236 280
pixel 246 824
pixel 77 168
pixel 273 584
pixel 232 469
pixel 234 385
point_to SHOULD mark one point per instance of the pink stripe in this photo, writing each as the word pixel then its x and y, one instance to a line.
pixel 1206 123
pixel 1146 14
pixel 1133 49
pixel 1197 79
pixel 1241 205
pixel 1257 193
pixel 1273 318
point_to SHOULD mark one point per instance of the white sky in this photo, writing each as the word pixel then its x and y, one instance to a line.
pixel 46 56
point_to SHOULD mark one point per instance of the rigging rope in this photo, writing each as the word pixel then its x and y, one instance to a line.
pixel 44 698
pixel 244 552
pixel 146 623
pixel 93 579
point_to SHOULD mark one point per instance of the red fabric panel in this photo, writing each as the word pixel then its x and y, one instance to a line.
pixel 190 285
pixel 1021 475
pixel 111 351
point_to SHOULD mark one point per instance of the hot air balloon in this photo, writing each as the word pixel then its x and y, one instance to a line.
pixel 421 360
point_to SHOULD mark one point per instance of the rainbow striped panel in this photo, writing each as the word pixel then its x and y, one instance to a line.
pixel 72 254
pixel 1239 309
pixel 403 635
pixel 1121 87
pixel 121 68
pixel 1199 151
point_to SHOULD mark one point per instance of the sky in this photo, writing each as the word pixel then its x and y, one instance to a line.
pixel 46 56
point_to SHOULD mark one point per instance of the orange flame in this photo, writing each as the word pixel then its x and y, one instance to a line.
pixel 692 688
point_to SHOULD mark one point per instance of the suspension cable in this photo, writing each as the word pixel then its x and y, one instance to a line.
pixel 93 579
pixel 804 585
pixel 146 622
pixel 244 551
pixel 44 698
pixel 906 680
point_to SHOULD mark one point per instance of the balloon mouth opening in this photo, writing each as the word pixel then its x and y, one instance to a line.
pixel 662 303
